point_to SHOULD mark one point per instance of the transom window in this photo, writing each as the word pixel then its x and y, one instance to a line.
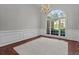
pixel 56 22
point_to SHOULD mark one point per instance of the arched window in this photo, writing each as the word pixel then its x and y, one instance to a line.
pixel 56 22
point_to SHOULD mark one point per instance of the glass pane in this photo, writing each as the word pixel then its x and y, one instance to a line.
pixel 57 18
pixel 56 14
pixel 54 28
pixel 62 27
pixel 48 27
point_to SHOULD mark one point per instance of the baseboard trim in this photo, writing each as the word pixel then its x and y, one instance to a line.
pixel 9 49
pixel 57 38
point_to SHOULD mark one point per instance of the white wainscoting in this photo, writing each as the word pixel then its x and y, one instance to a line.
pixel 12 36
pixel 71 34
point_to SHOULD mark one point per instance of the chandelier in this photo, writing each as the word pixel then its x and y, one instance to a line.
pixel 45 8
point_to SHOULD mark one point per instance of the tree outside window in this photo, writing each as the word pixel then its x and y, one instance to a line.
pixel 56 22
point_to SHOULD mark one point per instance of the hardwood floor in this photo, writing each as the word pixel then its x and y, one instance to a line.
pixel 8 49
pixel 73 46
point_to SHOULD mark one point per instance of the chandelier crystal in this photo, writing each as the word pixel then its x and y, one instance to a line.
pixel 45 8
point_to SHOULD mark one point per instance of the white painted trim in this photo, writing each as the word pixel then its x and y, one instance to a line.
pixel 12 36
pixel 71 34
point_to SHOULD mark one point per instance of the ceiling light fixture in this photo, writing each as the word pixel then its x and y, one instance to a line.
pixel 45 8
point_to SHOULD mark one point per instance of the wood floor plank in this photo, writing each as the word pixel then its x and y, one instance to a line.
pixel 73 46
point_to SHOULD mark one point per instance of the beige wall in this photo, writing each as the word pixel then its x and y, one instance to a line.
pixel 72 21
pixel 18 22
pixel 16 17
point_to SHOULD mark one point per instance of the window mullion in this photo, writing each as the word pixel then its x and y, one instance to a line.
pixel 50 27
pixel 59 27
